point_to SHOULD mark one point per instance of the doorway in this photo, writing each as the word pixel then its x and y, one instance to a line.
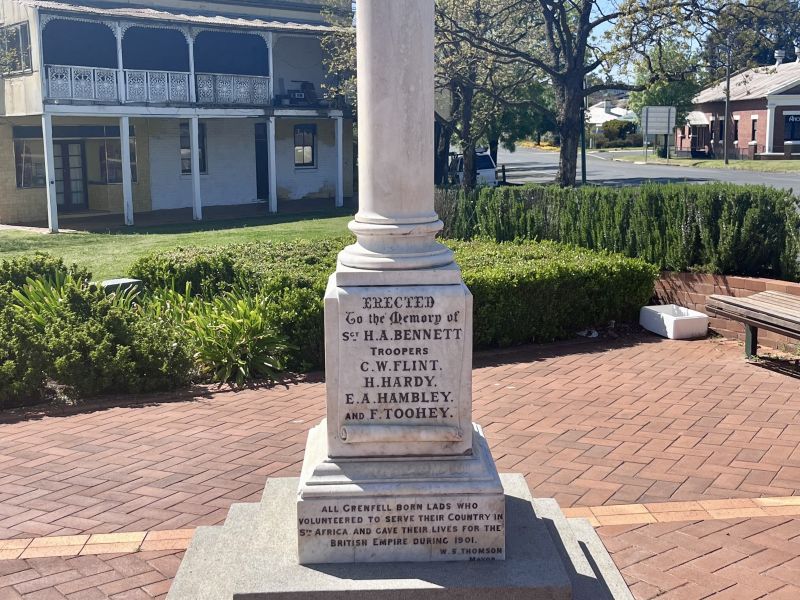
pixel 262 162
pixel 69 158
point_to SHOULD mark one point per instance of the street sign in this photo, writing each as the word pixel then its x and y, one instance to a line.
pixel 658 120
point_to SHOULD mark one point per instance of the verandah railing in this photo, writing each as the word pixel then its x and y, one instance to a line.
pixel 158 87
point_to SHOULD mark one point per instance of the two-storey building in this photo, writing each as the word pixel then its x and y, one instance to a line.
pixel 130 106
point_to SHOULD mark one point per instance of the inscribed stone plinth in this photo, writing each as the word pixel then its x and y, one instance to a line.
pixel 251 558
pixel 398 372
pixel 437 508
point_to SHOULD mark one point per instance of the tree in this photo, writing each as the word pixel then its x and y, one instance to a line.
pixel 339 51
pixel 678 91
pixel 479 85
pixel 754 29
pixel 569 40
pixel 518 119
pixel 8 54
pixel 480 95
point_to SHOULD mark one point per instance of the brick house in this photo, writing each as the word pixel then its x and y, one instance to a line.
pixel 127 106
pixel 764 115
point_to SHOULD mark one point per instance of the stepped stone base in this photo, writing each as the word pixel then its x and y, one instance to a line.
pixel 253 556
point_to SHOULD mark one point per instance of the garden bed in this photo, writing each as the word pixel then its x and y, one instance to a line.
pixel 244 312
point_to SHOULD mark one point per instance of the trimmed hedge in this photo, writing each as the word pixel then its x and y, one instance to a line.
pixel 540 292
pixel 292 274
pixel 523 292
pixel 717 227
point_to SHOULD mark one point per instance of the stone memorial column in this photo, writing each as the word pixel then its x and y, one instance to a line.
pixel 398 472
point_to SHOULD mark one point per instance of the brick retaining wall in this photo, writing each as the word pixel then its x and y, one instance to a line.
pixel 692 289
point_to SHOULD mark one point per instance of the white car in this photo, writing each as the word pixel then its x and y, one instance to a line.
pixel 487 170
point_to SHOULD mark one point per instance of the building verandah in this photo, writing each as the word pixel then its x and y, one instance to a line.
pixel 155 110
pixel 76 163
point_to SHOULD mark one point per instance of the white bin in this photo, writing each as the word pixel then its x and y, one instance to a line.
pixel 674 322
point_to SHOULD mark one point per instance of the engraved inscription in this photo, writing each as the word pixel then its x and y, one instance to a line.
pixel 402 352
pixel 446 528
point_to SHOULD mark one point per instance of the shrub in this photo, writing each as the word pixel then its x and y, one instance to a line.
pixel 93 343
pixel 617 130
pixel 523 291
pixel 16 271
pixel 254 265
pixel 293 275
pixel 232 335
pixel 23 358
pixel 721 228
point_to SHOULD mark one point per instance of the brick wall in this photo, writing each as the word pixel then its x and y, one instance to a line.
pixel 692 289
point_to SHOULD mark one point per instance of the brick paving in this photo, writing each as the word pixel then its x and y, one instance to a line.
pixel 740 559
pixel 632 421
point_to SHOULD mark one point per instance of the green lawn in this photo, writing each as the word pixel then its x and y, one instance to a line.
pixel 109 255
pixel 763 166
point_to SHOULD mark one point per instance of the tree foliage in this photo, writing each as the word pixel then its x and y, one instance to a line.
pixel 482 97
pixel 485 91
pixel 754 29
pixel 339 52
pixel 8 55
pixel 489 53
pixel 679 91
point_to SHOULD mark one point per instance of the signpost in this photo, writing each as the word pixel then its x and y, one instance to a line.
pixel 658 120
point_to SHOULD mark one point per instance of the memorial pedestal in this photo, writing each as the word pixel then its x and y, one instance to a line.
pixel 398 509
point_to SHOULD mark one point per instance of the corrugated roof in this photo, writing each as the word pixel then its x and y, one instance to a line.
pixel 599 113
pixel 697 117
pixel 754 83
pixel 162 15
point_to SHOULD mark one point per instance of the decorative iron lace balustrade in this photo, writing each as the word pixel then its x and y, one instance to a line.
pixel 81 83
pixel 217 88
pixel 158 87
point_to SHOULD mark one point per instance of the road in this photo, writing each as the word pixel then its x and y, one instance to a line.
pixel 531 165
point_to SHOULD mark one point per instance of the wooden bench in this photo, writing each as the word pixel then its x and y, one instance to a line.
pixel 773 311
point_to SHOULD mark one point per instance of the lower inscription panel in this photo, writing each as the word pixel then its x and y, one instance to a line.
pixel 402 529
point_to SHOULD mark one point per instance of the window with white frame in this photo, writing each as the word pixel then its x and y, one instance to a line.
pixel 186 148
pixel 15 49
pixel 29 162
pixel 305 141
pixel 753 129
pixel 111 161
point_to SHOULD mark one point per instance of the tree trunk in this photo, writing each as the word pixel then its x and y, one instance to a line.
pixel 437 164
pixel 470 170
pixel 494 145
pixel 467 141
pixel 444 135
pixel 569 128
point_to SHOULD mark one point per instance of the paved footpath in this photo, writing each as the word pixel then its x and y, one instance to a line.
pixel 685 457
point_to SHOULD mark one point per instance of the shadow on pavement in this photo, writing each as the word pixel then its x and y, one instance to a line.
pixel 631 181
pixel 193 393
pixel 788 366
pixel 532 353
